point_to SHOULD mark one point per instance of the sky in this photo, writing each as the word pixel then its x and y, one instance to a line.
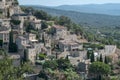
pixel 64 2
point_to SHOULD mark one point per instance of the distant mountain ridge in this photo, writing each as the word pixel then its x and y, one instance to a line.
pixel 109 9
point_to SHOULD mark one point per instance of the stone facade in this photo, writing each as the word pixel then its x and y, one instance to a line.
pixel 36 24
pixel 4 35
pixel 66 45
pixel 59 32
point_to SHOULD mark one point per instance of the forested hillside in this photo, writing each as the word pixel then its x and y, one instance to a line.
pixel 85 19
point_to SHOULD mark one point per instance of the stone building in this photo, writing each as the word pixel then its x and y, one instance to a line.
pixel 4 35
pixel 30 45
pixel 66 45
pixel 59 32
pixel 36 24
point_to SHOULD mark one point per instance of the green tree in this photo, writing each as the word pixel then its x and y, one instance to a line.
pixel 50 64
pixel 106 60
pixel 9 72
pixel 89 52
pixel 44 25
pixel 1 43
pixel 43 75
pixel 99 69
pixel 42 56
pixel 42 15
pixel 15 22
pixel 29 27
pixel 8 13
pixel 25 56
pixel 71 75
pixel 101 59
pixel 92 57
pixel 12 46
pixel 63 64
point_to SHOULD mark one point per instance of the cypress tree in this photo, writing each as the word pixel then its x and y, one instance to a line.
pixel 106 60
pixel 92 57
pixel 12 46
pixel 8 13
pixel 25 56
pixel 101 59
pixel 10 41
pixel 88 55
pixel 1 43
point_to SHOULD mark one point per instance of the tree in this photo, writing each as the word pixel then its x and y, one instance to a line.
pixel 10 41
pixel 63 64
pixel 89 52
pixel 25 56
pixel 9 72
pixel 15 22
pixel 71 75
pixel 43 75
pixel 92 57
pixel 44 25
pixel 42 56
pixel 106 61
pixel 8 13
pixel 42 15
pixel 11 37
pixel 12 46
pixel 1 43
pixel 50 64
pixel 101 59
pixel 99 69
pixel 29 27
pixel 88 55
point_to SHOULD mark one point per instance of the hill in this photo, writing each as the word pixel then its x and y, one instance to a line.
pixel 109 9
pixel 84 19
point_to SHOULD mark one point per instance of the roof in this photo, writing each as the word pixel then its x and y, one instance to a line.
pixel 21 37
pixel 37 21
pixel 4 31
pixel 59 27
pixel 23 14
pixel 68 42
pixel 30 34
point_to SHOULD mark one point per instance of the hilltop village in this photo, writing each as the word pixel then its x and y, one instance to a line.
pixel 39 45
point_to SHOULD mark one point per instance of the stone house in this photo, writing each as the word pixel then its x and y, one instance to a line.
pixel 59 32
pixel 5 23
pixel 31 46
pixel 31 37
pixel 66 45
pixel 36 24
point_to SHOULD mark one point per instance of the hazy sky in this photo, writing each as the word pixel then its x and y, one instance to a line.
pixel 65 2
